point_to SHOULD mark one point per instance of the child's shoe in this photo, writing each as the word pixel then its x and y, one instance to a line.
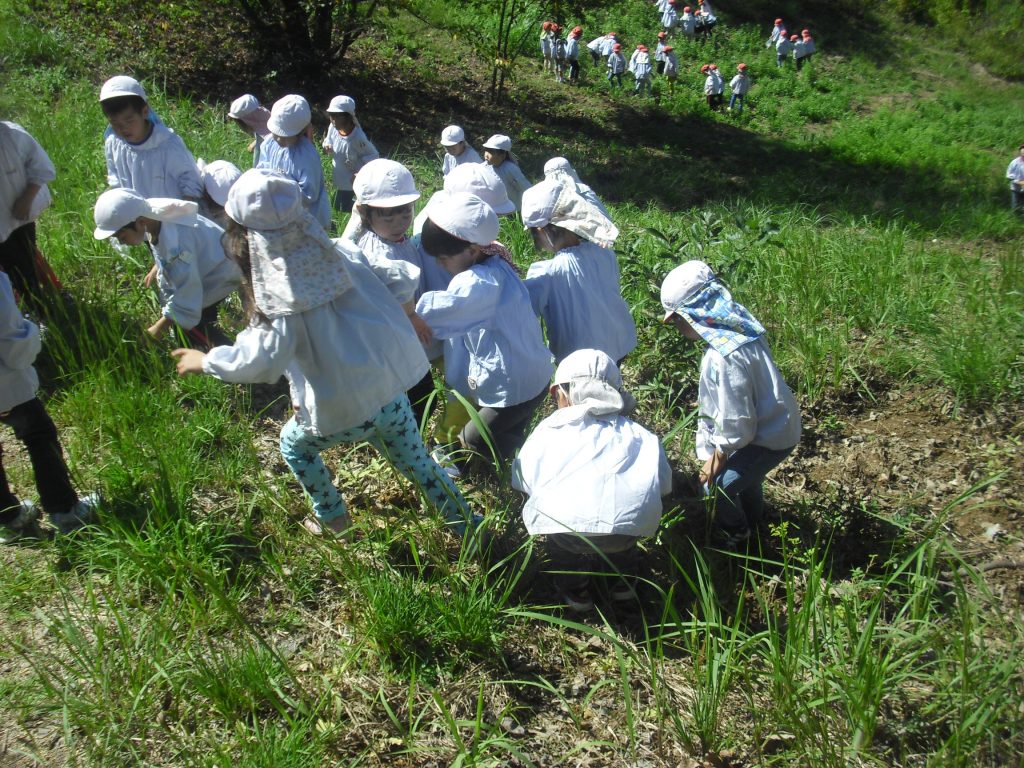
pixel 445 462
pixel 731 538
pixel 25 524
pixel 623 590
pixel 578 600
pixel 334 528
pixel 82 513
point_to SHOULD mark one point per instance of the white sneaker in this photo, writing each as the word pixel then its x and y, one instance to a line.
pixel 444 461
pixel 334 528
pixel 82 513
pixel 25 524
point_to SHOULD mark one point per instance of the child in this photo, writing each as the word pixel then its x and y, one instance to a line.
pixel 706 19
pixel 798 51
pixel 616 66
pixel 577 292
pixel 601 47
pixel 559 169
pixel 659 53
pixel 572 54
pixel 494 353
pixel 776 31
pixel 545 45
pixel 249 115
pixel 456 149
pixel 141 154
pixel 688 23
pixel 671 68
pixel 23 196
pixel 594 477
pixel 739 86
pixel 498 155
pixel 21 410
pixel 782 48
pixel 713 86
pixel 334 325
pixel 808 47
pixel 192 273
pixel 749 420
pixel 218 177
pixel 669 19
pixel 349 147
pixel 292 153
pixel 1015 173
pixel 558 53
pixel 642 72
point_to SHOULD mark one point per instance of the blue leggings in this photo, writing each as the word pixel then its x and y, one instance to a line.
pixel 392 431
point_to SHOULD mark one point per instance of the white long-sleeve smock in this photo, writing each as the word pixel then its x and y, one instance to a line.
pixel 596 45
pixel 616 63
pixel 669 19
pixel 783 47
pixel 19 345
pixel 774 37
pixel 469 155
pixel 742 399
pixel 688 23
pixel 494 351
pixel 572 48
pixel 23 161
pixel 160 166
pixel 712 85
pixel 642 66
pixel 348 155
pixel 577 293
pixel 301 162
pixel 739 85
pixel 671 65
pixel 345 359
pixel 1015 171
pixel 592 474
pixel 799 49
pixel 608 45
pixel 515 182
pixel 192 271
pixel 809 46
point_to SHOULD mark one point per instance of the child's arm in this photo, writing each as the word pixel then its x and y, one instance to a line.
pixel 734 418
pixel 538 283
pixel 183 303
pixel 469 303
pixel 260 354
pixel 182 167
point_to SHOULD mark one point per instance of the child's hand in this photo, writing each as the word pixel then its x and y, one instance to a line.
pixel 252 146
pixel 713 467
pixel 189 361
pixel 423 332
pixel 147 281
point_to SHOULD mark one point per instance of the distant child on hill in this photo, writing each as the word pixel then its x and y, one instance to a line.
pixel 594 478
pixel 192 274
pixel 249 115
pixel 706 19
pixel 659 53
pixel 142 154
pixel 671 68
pixel 25 413
pixel 713 86
pixel 577 292
pixel 749 420
pixel 616 66
pixel 333 324
pixel 494 351
pixel 292 154
pixel 1015 173
pixel 558 53
pixel 773 38
pixel 572 53
pixel 798 51
pixel 456 149
pixel 218 177
pixel 783 47
pixel 688 23
pixel 739 86
pixel 498 155
pixel 641 70
pixel 809 47
pixel 669 18
pixel 349 147
pixel 546 51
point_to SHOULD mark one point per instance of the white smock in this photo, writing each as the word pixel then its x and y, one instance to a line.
pixel 345 359
pixel 577 293
pixel 743 399
pixel 301 162
pixel 22 162
pixel 192 271
pixel 494 350
pixel 469 155
pixel 348 155
pixel 160 166
pixel 515 182
pixel 19 344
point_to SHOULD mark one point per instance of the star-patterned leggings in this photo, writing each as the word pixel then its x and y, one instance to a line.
pixel 393 432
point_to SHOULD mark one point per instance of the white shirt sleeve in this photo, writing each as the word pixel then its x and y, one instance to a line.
pixel 538 284
pixel 402 278
pixel 260 354
pixel 466 304
pixel 19 338
pixel 38 167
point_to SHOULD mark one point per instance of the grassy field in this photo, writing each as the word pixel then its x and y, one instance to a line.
pixel 859 210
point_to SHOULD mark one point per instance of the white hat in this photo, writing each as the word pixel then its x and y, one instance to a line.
pixel 452 135
pixel 682 284
pixel 499 141
pixel 539 203
pixel 218 177
pixel 484 182
pixel 594 382
pixel 342 104
pixel 560 168
pixel 385 184
pixel 263 199
pixel 122 85
pixel 243 105
pixel 117 208
pixel 289 116
pixel 464 216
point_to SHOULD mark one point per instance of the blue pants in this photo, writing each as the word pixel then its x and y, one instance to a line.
pixel 734 98
pixel 615 78
pixel 394 432
pixel 780 59
pixel 736 494
pixel 642 84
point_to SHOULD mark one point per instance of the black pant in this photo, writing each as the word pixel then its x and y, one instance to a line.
pixel 206 334
pixel 420 396
pixel 18 260
pixel 506 425
pixel 33 426
pixel 574 71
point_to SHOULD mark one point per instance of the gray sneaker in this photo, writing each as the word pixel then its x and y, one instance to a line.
pixel 83 513
pixel 25 524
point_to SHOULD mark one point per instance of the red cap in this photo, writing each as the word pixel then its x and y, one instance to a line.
pixel 577 31
pixel 662 35
pixel 793 38
pixel 741 67
pixel 616 47
pixel 555 27
pixel 806 33
pixel 713 66
pixel 687 9
pixel 783 33
pixel 778 22
pixel 704 69
pixel 668 48
pixel 546 25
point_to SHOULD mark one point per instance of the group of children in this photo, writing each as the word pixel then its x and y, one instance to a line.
pixel 801 46
pixel 358 325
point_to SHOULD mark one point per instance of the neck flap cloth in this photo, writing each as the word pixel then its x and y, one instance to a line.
pixel 561 204
pixel 594 385
pixel 723 323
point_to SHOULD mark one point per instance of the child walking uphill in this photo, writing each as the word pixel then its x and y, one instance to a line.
pixel 594 477
pixel 494 353
pixel 349 147
pixel 749 420
pixel 292 153
pixel 739 86
pixel 25 413
pixel 498 155
pixel 334 325
pixel 577 292
pixel 616 66
pixel 193 275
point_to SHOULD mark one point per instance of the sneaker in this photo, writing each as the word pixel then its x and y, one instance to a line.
pixel 623 590
pixel 445 462
pixel 577 600
pixel 82 513
pixel 26 523
pixel 334 528
pixel 731 538
pixel 461 528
